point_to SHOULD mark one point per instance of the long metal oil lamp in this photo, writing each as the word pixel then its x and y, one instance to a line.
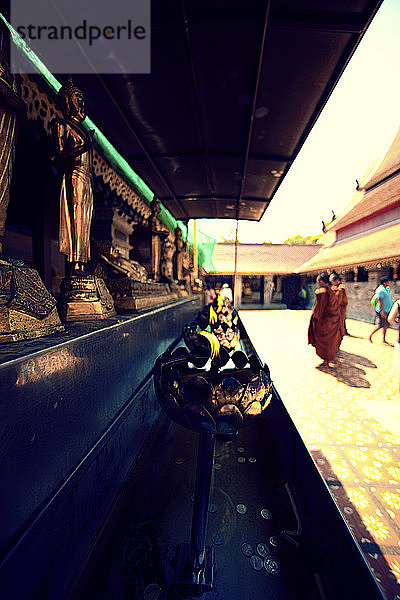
pixel 214 390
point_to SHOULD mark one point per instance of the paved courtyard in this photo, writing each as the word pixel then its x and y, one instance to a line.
pixel 349 418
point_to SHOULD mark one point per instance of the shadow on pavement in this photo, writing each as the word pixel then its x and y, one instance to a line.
pixel 348 369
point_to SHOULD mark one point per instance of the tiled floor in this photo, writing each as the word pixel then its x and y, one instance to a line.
pixel 349 418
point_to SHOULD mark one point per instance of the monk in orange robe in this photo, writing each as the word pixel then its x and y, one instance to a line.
pixel 340 290
pixel 323 330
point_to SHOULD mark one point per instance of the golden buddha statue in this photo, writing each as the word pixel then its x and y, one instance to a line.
pixel 179 255
pixel 117 265
pixel 73 147
pixel 27 309
pixel 84 295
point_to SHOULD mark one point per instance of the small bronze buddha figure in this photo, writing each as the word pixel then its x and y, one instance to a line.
pixel 158 236
pixel 166 259
pixel 73 147
pixel 180 249
pixel 84 295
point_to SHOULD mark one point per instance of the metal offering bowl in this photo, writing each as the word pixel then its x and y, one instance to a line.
pixel 214 401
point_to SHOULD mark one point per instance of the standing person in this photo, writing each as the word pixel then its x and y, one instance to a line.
pixel 302 297
pixel 394 318
pixel 339 289
pixel 226 292
pixel 383 308
pixel 323 330
pixel 210 294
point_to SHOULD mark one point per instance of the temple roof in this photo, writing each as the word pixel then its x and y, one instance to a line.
pixel 367 250
pixel 365 204
pixel 378 190
pixel 260 259
pixel 387 166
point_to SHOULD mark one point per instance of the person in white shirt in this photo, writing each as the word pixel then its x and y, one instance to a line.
pixel 226 292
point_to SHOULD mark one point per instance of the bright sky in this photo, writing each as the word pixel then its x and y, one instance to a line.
pixel 356 126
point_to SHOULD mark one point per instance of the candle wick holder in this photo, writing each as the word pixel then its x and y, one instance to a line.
pixel 195 562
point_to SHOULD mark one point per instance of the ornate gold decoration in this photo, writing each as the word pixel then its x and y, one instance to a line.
pixel 27 309
pixel 22 289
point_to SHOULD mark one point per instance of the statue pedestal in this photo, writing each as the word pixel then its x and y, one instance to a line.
pixel 131 295
pixel 86 298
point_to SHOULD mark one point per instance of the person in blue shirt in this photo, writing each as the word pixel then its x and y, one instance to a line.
pixel 394 318
pixel 383 308
pixel 302 297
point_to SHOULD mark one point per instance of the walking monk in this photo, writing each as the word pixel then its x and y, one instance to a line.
pixel 323 331
pixel 340 290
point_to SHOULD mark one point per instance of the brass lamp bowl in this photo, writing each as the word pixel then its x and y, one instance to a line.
pixel 214 401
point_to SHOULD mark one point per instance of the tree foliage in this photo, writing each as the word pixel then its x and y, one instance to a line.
pixel 299 239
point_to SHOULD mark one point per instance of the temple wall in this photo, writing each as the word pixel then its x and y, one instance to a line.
pixel 75 413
